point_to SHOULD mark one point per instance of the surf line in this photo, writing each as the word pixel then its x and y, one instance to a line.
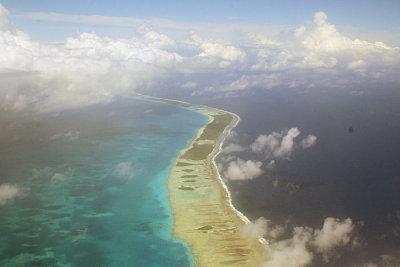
pixel 204 216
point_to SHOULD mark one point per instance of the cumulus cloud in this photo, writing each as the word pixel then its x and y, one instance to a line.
pixel 255 230
pixel 5 24
pixel 8 192
pixel 287 145
pixel 91 69
pixel 292 252
pixel 280 145
pixel 269 142
pixel 308 141
pixel 261 228
pixel 305 244
pixel 83 71
pixel 124 170
pixel 322 46
pixel 78 72
pixel 334 233
pixel 228 53
pixel 155 39
pixel 243 170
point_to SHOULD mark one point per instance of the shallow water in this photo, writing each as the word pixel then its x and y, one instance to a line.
pixel 92 186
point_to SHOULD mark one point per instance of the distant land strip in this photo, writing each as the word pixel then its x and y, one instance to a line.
pixel 203 213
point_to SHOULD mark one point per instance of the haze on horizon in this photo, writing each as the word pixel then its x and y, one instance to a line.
pixel 58 57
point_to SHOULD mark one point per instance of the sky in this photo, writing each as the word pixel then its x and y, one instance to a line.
pixel 66 55
pixel 62 55
pixel 369 19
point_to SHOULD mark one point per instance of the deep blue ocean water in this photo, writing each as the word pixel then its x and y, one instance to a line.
pixel 92 185
pixel 344 175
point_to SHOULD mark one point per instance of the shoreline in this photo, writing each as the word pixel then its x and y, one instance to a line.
pixel 204 215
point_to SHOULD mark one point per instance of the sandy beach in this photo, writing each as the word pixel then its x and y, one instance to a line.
pixel 203 213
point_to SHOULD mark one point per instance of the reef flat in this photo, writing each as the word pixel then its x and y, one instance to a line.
pixel 203 214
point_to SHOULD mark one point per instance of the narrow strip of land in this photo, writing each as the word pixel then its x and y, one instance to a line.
pixel 203 215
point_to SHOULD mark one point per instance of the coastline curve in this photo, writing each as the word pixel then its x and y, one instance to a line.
pixel 204 216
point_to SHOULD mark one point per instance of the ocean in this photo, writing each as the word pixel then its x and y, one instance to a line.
pixel 92 185
pixel 352 171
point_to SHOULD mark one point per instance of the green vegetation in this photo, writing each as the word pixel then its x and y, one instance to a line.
pixel 189 176
pixel 207 227
pixel 181 164
pixel 185 188
pixel 198 152
pixel 214 129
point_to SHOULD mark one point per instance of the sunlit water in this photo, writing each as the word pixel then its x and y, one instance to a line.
pixel 92 186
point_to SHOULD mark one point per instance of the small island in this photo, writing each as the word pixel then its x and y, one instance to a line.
pixel 203 213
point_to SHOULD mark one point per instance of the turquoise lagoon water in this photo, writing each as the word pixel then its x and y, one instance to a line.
pixel 93 186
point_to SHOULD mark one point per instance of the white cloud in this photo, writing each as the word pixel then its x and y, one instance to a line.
pixel 280 145
pixel 124 170
pixel 320 47
pixel 334 233
pixel 287 145
pixel 268 142
pixel 8 192
pixel 291 252
pixel 320 18
pixel 232 147
pixel 237 85
pixel 233 136
pixel 78 72
pixel 255 230
pixel 91 69
pixel 227 52
pixel 308 141
pixel 246 82
pixel 5 24
pixel 243 170
pixel 153 38
pixel 305 244
pixel 227 158
pixel 83 71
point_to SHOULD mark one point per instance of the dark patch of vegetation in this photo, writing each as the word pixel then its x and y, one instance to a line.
pixel 189 176
pixel 185 188
pixel 207 227
pixel 183 164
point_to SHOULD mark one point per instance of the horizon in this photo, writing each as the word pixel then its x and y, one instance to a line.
pixel 312 162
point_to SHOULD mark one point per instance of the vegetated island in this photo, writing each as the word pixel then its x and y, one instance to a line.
pixel 203 213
